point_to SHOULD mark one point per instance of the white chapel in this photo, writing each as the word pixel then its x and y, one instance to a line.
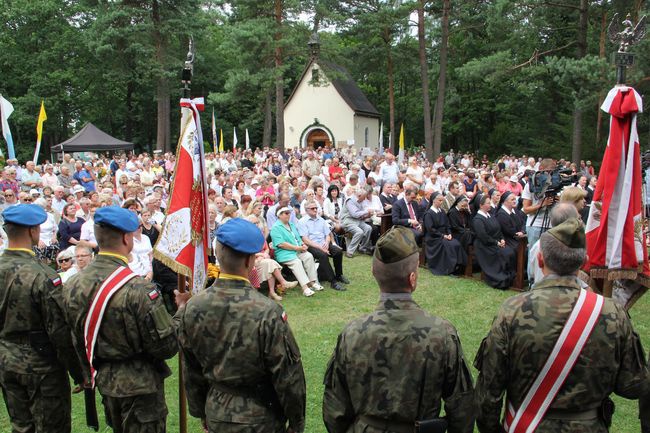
pixel 328 108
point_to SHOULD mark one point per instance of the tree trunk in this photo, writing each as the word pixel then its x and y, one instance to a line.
pixel 162 87
pixel 601 95
pixel 128 132
pixel 164 127
pixel 582 52
pixel 391 90
pixel 268 120
pixel 279 84
pixel 424 76
pixel 442 80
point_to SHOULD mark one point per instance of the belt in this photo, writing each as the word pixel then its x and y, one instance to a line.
pixel 571 415
pixel 386 424
pixel 22 338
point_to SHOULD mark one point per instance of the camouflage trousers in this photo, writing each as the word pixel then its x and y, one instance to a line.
pixel 140 414
pixel 37 403
pixel 644 413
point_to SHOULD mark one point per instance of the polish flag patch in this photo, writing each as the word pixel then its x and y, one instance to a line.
pixel 284 316
pixel 57 281
pixel 153 295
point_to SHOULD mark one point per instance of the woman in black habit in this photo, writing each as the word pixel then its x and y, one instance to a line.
pixel 443 253
pixel 460 221
pixel 511 225
pixel 496 259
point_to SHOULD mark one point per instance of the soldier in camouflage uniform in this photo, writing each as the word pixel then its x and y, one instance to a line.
pixel 393 367
pixel 35 344
pixel 525 331
pixel 241 363
pixel 136 335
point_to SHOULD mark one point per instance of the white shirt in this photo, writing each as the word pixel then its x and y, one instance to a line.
pixel 48 230
pixel 88 232
pixel 141 256
pixel 527 195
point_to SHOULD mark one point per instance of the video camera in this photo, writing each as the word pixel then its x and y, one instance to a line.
pixel 550 183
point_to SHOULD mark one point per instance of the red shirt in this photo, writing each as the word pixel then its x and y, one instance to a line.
pixel 334 169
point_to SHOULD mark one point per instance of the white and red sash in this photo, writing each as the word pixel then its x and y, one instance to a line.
pixel 111 286
pixel 559 364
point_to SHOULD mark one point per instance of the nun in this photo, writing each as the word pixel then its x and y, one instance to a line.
pixel 444 254
pixel 511 224
pixel 460 221
pixel 496 258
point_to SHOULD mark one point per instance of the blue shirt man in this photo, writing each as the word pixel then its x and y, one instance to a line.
pixel 316 234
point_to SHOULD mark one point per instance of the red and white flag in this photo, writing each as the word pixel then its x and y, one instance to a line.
pixel 616 237
pixel 183 242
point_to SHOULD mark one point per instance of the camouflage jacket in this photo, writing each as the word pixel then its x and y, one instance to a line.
pixel 397 364
pixel 136 334
pixel 31 308
pixel 521 339
pixel 232 336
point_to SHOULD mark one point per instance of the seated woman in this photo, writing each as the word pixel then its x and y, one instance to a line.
pixel 268 269
pixel 460 222
pixel 443 253
pixel 496 259
pixel 290 251
pixel 511 224
pixel 495 198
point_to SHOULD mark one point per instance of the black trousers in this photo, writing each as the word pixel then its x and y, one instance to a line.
pixel 325 271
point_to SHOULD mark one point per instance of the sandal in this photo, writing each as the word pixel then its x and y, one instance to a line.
pixel 308 292
pixel 275 297
pixel 289 285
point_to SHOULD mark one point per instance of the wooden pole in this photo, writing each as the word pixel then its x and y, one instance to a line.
pixel 182 401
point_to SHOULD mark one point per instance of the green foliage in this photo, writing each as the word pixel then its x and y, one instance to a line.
pixel 513 79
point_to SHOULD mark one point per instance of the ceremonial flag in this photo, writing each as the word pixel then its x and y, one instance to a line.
pixel 234 140
pixel 248 140
pixel 42 117
pixel 616 238
pixel 221 140
pixel 214 133
pixel 5 111
pixel 401 145
pixel 380 151
pixel 183 241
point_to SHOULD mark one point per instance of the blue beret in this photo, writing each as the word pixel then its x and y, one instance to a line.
pixel 122 219
pixel 28 215
pixel 241 235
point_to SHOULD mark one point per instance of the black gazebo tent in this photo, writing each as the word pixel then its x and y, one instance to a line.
pixel 91 139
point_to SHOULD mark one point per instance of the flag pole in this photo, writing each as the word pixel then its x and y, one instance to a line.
pixel 186 80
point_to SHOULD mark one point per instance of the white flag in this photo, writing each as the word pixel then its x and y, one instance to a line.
pixel 381 139
pixel 248 140
pixel 234 139
pixel 5 111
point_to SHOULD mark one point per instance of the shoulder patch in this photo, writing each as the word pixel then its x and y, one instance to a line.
pixel 153 295
pixel 56 281
pixel 284 316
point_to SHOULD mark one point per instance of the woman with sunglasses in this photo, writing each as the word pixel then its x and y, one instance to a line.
pixel 64 262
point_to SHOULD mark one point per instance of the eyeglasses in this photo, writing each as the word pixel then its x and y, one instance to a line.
pixel 29 200
pixel 9 195
pixel 64 260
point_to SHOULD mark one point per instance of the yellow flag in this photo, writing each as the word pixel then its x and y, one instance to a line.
pixel 401 144
pixel 42 117
pixel 220 140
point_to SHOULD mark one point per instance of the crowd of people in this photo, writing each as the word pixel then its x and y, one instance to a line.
pixel 312 206
pixel 272 214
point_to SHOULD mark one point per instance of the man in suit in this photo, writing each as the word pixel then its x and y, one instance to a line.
pixel 406 212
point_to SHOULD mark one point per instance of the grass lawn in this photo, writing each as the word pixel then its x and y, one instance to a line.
pixel 316 321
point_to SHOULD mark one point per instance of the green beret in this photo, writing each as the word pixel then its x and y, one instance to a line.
pixel 396 244
pixel 571 233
